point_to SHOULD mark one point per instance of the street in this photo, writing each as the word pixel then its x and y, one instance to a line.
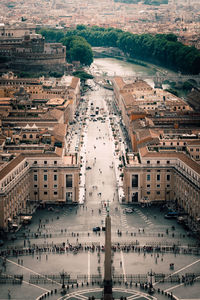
pixel 65 239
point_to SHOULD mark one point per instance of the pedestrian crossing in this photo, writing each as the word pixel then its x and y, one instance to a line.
pixel 145 218
pixel 123 220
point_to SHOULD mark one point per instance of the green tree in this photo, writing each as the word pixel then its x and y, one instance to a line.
pixel 163 49
pixel 77 49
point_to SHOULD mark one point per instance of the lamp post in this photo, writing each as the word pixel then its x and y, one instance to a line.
pixel 151 288
pixel 62 275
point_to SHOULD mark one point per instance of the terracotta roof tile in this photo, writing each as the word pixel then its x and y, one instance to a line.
pixel 11 165
pixel 191 163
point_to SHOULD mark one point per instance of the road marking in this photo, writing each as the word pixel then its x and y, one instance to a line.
pixel 195 262
pixel 145 218
pixel 26 282
pixel 123 267
pixel 88 266
pixel 14 263
pixel 37 286
pixel 173 287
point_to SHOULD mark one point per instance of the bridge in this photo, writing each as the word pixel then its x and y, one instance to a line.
pixel 159 79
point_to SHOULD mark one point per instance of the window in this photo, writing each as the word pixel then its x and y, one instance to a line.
pixel 158 186
pixel 55 162
pixel 35 185
pixel 158 177
pixel 68 180
pixel 148 177
pixel 148 162
pixel 55 177
pixel 35 177
pixel 168 185
pixel 55 186
pixel 168 177
pixel 45 185
pixel 35 162
pixel 168 170
pixel 148 170
pixel 45 171
pixel 45 177
pixel 148 185
pixel 148 193
pixel 45 162
pixel 197 149
pixel 45 193
pixel 35 171
pixel 158 162
pixel 55 193
pixel 177 143
pixel 55 171
pixel 31 136
pixel 168 162
pixel 158 192
pixel 197 156
pixel 158 170
pixel 134 180
pixel 191 149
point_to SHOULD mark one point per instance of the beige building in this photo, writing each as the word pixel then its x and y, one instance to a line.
pixel 164 177
pixel 163 130
pixel 59 96
pixel 36 179
pixel 193 147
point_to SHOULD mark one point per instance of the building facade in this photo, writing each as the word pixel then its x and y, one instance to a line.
pixel 31 180
pixel 22 49
pixel 165 178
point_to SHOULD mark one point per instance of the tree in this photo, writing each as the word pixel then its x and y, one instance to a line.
pixel 77 49
pixel 161 49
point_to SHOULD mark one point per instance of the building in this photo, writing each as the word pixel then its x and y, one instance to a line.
pixel 163 165
pixel 32 179
pixel 23 50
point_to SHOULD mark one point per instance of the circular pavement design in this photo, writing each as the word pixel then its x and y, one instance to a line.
pixel 97 293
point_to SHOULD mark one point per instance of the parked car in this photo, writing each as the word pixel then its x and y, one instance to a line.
pixel 171 215
pixel 95 229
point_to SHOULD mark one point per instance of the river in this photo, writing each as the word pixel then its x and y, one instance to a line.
pixel 116 67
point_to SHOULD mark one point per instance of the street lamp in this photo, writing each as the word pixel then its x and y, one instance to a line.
pixel 151 289
pixel 62 275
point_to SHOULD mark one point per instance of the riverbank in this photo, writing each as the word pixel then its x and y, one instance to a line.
pixel 118 65
pixel 156 68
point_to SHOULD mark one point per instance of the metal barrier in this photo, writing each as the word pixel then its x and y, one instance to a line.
pixel 11 279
